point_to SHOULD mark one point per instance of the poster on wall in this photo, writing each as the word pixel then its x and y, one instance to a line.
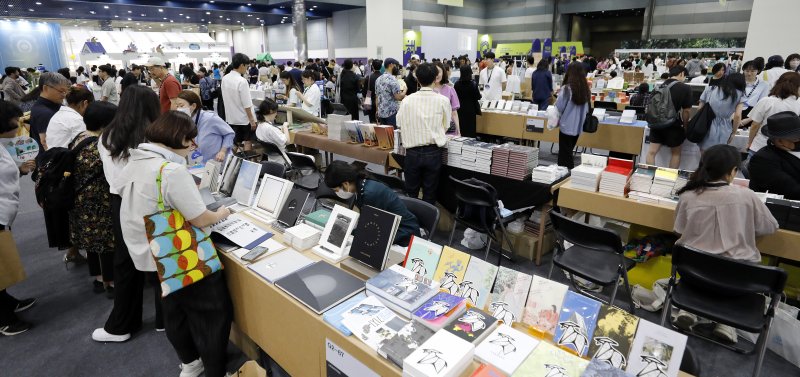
pixel 484 45
pixel 513 49
pixel 412 44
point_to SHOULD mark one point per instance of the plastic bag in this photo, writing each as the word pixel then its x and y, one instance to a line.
pixel 650 300
pixel 553 116
pixel 784 335
pixel 474 240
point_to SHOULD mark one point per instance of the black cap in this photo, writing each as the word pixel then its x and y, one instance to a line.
pixel 783 125
pixel 390 61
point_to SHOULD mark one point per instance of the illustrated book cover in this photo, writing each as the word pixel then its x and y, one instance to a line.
pixel 656 351
pixel 377 327
pixel 451 269
pixel 507 300
pixel 547 360
pixel 335 315
pixel 478 281
pixel 440 310
pixel 544 304
pixel 505 348
pixel 422 256
pixel 444 354
pixel 613 336
pixel 473 326
pixel 373 236
pixel 577 322
pixel 408 339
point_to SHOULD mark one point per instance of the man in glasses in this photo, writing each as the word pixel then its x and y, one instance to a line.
pixel 53 88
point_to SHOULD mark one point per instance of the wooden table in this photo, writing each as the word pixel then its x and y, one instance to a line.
pixel 782 244
pixel 359 152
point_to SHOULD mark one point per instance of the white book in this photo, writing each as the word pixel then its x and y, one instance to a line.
pixel 443 355
pixel 279 265
pixel 505 348
pixel 374 329
pixel 337 230
pixel 544 304
pixel 656 351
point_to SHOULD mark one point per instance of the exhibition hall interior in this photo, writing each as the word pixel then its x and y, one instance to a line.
pixel 415 188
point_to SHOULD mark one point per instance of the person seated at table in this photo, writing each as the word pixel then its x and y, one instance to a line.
pixel 348 180
pixel 776 167
pixel 269 132
pixel 642 96
pixel 719 218
pixel 615 81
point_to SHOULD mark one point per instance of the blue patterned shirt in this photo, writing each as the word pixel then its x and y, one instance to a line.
pixel 385 88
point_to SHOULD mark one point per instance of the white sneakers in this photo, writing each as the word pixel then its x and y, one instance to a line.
pixel 685 321
pixel 100 335
pixel 725 333
pixel 193 369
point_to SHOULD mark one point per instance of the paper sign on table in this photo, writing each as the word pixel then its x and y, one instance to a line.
pixel 339 363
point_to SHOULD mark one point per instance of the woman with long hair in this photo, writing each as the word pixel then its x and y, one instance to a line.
pixel 468 97
pixel 573 104
pixel 138 107
pixel 720 218
pixel 291 88
pixel 725 98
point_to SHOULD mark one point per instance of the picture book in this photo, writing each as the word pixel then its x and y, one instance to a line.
pixel 402 289
pixel 599 368
pixel 376 328
pixel 473 326
pixel 577 322
pixel 613 336
pixel 656 351
pixel 478 281
pixel 547 360
pixel 440 310
pixel 444 354
pixel 507 300
pixel 487 370
pixel 544 304
pixel 335 315
pixel 409 338
pixel 451 269
pixel 422 256
pixel 505 348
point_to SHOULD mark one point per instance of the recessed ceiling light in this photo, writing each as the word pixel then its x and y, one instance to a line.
pixel 171 21
pixel 228 19
pixel 130 11
pixel 187 17
pixel 129 18
pixel 220 16
pixel 12 5
pixel 161 24
pixel 143 15
pixel 115 16
pixel 165 18
pixel 160 10
pixel 104 6
pixel 91 11
pixel 208 12
pixel 249 15
pixel 180 14
pixel 31 10
pixel 212 1
pixel 137 24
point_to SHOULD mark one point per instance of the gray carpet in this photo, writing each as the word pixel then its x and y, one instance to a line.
pixel 67 312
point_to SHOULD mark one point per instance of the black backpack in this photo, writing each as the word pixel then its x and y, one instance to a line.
pixel 660 111
pixel 55 185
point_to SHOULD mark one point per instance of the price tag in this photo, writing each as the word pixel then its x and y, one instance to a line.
pixel 339 363
pixel 534 125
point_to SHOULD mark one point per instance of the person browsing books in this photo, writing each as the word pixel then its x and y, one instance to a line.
pixel 347 180
pixel 267 131
pixel 214 136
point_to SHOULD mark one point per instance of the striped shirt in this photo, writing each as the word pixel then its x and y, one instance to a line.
pixel 423 118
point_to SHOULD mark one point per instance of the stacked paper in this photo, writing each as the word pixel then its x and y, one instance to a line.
pixel 521 161
pixel 587 175
pixel 469 153
pixel 454 150
pixel 644 197
pixel 664 182
pixel 548 174
pixel 483 157
pixel 642 179
pixel 615 176
pixel 500 160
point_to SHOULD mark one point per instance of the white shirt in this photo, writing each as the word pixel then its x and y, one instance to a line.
pixel 112 168
pixel 423 118
pixel 698 80
pixel 82 79
pixel 9 188
pixel 109 90
pixel 236 94
pixel 765 108
pixel 773 74
pixel 292 97
pixel 65 124
pixel 492 80
pixel 139 193
pixel 271 134
pixel 263 71
pixel 529 72
pixel 313 95
pixel 512 84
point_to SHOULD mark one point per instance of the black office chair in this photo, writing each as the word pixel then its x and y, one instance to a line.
pixel 595 255
pixel 477 209
pixel 272 152
pixel 272 168
pixel 338 109
pixel 726 291
pixel 608 105
pixel 327 198
pixel 393 182
pixel 427 214
pixel 304 173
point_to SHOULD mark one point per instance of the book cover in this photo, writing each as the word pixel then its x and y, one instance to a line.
pixel 505 348
pixel 319 217
pixel 487 370
pixel 444 354
pixel 451 269
pixel 439 310
pixel 507 300
pixel 544 304
pixel 392 284
pixel 320 286
pixel 478 281
pixel 577 322
pixel 598 368
pixel 373 236
pixel 373 329
pixel 279 265
pixel 656 351
pixel 473 325
pixel 338 229
pixel 422 256
pixel 408 339
pixel 613 336
pixel 335 316
pixel 547 360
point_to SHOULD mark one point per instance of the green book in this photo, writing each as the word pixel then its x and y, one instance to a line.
pixel 319 217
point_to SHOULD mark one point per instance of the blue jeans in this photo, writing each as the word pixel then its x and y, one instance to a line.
pixel 422 167
pixel 391 120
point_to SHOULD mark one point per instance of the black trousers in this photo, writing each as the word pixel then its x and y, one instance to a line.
pixel 101 264
pixel 566 144
pixel 422 168
pixel 126 317
pixel 198 320
pixel 7 305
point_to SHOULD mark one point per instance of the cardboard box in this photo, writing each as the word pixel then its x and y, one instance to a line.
pixel 251 369
pixel 524 244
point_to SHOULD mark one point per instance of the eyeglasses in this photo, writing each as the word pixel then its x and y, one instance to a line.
pixel 62 91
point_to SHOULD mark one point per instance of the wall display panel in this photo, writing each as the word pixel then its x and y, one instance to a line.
pixel 442 42
pixel 26 44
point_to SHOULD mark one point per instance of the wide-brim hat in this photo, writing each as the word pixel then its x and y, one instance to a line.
pixel 783 125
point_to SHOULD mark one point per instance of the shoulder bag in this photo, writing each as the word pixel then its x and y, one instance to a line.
pixel 700 124
pixel 184 254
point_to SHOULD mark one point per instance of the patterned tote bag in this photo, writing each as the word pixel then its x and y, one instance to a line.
pixel 184 254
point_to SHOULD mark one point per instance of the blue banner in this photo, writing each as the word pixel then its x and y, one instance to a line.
pixel 547 48
pixel 536 46
pixel 27 44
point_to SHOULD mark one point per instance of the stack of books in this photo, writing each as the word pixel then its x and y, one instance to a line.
pixel 664 182
pixel 521 161
pixel 642 179
pixel 644 197
pixel 587 175
pixel 385 135
pixel 454 147
pixel 483 157
pixel 548 173
pixel 500 160
pixel 614 177
pixel 401 290
pixel 469 153
pixel 442 355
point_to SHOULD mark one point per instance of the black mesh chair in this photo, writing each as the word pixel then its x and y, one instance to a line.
pixel 427 214
pixel 595 255
pixel 272 152
pixel 394 183
pixel 477 209
pixel 304 173
pixel 689 363
pixel 727 291
pixel 274 169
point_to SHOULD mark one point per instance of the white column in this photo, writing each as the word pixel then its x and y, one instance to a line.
pixel 384 29
pixel 765 17
pixel 329 35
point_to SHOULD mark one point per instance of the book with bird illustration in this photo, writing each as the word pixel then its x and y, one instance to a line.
pixel 443 355
pixel 473 326
pixel 451 269
pixel 613 336
pixel 544 304
pixel 478 281
pixel 547 360
pixel 510 291
pixel 577 322
pixel 440 310
pixel 505 348
pixel 422 256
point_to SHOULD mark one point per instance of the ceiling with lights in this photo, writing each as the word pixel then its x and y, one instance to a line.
pixel 181 14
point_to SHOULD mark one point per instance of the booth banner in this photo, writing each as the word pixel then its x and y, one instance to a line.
pixel 484 45
pixel 547 48
pixel 27 44
pixel 536 45
pixel 514 49
pixel 412 44
pixel 568 48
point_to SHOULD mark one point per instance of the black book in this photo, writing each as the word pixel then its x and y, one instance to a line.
pixel 373 236
pixel 293 207
pixel 320 286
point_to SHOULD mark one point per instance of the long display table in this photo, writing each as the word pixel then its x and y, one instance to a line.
pixel 782 244
pixel 359 152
